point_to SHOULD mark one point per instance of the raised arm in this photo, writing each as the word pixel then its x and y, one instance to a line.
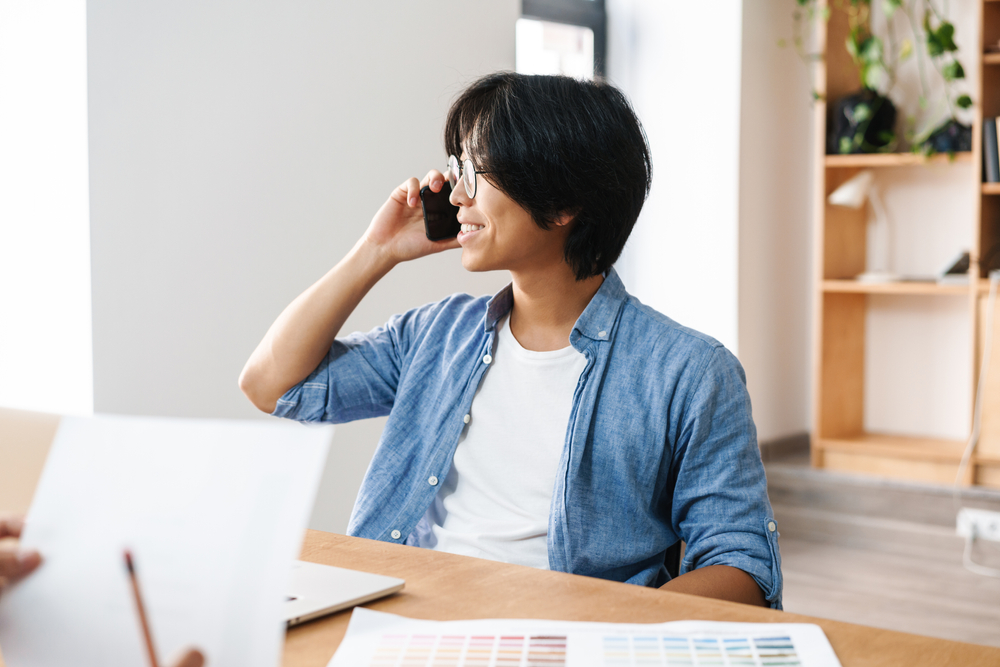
pixel 300 337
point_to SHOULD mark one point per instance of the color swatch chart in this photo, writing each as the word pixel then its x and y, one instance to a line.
pixel 378 639
pixel 695 651
pixel 485 650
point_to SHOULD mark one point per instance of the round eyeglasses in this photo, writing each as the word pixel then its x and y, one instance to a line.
pixel 466 173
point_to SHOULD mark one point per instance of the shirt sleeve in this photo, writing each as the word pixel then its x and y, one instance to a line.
pixel 357 378
pixel 720 505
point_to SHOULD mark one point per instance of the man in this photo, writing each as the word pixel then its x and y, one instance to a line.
pixel 560 424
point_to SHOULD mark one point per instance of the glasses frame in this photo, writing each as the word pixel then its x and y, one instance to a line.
pixel 456 173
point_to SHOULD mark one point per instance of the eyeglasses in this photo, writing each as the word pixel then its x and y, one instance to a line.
pixel 467 174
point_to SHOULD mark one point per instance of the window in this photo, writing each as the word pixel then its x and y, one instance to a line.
pixel 562 37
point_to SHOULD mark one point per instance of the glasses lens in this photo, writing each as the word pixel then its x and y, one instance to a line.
pixel 452 173
pixel 469 177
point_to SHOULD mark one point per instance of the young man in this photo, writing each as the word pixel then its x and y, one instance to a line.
pixel 561 423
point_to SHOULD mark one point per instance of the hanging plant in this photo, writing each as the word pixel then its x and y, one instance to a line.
pixel 864 122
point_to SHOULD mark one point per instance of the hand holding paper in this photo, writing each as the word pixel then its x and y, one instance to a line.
pixel 214 512
pixel 14 563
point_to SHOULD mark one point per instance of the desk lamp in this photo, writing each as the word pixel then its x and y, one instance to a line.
pixel 853 194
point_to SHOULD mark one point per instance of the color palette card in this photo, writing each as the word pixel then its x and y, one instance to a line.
pixel 376 639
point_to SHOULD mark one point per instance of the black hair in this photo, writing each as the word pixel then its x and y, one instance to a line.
pixel 559 145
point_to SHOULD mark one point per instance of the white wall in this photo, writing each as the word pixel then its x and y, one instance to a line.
pixel 775 227
pixel 931 211
pixel 45 346
pixel 238 150
pixel 680 65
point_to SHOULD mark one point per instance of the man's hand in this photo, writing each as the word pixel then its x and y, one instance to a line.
pixel 302 335
pixel 721 582
pixel 397 230
pixel 14 564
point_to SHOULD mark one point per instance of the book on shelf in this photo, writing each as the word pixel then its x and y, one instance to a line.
pixel 991 163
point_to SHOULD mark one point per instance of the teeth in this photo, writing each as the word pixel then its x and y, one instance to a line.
pixel 472 228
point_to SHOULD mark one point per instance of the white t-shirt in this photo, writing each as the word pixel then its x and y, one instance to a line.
pixel 495 501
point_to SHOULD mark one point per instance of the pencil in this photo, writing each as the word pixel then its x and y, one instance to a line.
pixel 142 610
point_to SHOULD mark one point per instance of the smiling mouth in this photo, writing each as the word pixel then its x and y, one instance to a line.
pixel 472 228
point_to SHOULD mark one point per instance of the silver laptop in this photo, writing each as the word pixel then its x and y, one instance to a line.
pixel 317 590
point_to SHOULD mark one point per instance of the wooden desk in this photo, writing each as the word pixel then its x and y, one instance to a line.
pixel 446 587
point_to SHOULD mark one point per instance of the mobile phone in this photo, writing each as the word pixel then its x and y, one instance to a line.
pixel 440 215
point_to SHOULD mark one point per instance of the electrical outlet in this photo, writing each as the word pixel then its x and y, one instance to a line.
pixel 984 524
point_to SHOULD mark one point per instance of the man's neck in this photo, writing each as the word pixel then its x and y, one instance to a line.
pixel 546 306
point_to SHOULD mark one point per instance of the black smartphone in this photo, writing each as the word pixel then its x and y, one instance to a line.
pixel 440 215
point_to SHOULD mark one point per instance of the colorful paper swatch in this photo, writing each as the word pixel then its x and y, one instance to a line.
pixel 425 650
pixel 694 651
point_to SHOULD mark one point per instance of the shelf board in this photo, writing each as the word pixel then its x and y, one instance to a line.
pixel 991 188
pixel 991 58
pixel 897 446
pixel 855 287
pixel 894 159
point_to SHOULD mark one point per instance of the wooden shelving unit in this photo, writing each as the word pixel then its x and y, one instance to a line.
pixel 839 440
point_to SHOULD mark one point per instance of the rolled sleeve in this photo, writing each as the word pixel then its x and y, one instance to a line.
pixel 720 506
pixel 357 379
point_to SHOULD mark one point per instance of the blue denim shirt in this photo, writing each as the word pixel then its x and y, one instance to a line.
pixel 660 444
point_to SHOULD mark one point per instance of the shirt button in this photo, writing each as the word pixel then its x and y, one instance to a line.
pixel 467 418
pixel 487 359
pixel 602 334
pixel 771 527
pixel 395 534
pixel 432 480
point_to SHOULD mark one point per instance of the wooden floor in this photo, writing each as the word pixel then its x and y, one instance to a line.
pixel 882 553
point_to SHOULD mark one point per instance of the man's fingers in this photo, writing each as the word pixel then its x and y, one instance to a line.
pixel 435 179
pixel 11 526
pixel 191 658
pixel 412 192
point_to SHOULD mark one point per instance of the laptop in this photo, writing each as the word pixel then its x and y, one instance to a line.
pixel 317 590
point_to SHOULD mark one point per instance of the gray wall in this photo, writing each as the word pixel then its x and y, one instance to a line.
pixel 237 151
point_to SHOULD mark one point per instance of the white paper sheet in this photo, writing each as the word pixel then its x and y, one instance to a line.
pixel 376 639
pixel 214 513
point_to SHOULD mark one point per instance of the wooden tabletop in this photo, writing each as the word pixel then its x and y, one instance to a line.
pixel 446 587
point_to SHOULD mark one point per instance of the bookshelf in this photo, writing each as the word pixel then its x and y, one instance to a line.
pixel 839 440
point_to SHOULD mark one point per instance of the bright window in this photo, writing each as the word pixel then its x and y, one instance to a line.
pixel 544 47
pixel 46 358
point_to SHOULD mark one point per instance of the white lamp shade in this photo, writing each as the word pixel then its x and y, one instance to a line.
pixel 853 192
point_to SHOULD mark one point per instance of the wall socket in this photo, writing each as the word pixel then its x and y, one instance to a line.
pixel 984 524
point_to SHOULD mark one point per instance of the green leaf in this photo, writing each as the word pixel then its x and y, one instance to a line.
pixel 946 36
pixel 852 45
pixel 886 137
pixel 963 102
pixel 953 71
pixel 922 102
pixel 862 112
pixel 889 7
pixel 905 49
pixel 825 14
pixel 871 50
pixel 873 76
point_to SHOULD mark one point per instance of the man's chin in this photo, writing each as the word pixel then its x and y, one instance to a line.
pixel 475 264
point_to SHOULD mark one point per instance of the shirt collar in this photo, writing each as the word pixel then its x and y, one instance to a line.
pixel 597 320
